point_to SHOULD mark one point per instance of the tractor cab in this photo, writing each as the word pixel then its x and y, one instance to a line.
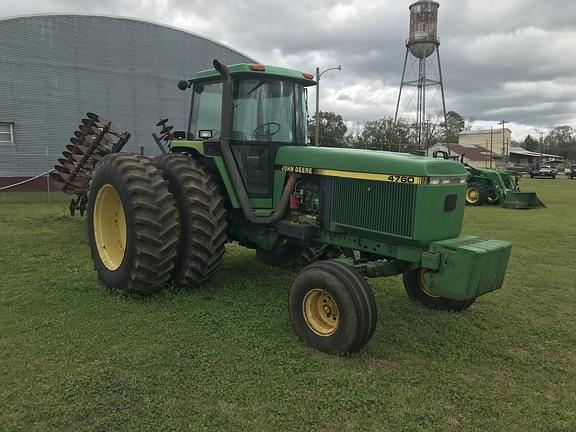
pixel 268 111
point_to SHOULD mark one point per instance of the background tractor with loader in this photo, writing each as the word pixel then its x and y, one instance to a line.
pixel 242 172
pixel 485 186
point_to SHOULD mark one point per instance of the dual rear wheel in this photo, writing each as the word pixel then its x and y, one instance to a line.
pixel 152 222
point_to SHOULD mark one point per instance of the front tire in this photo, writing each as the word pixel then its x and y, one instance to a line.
pixel 416 288
pixel 132 226
pixel 493 199
pixel 332 308
pixel 475 194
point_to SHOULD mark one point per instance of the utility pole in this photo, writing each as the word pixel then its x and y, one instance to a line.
pixel 503 123
pixel 318 76
pixel 491 142
pixel 541 148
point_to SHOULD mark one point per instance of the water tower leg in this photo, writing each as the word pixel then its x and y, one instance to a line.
pixel 401 85
pixel 441 84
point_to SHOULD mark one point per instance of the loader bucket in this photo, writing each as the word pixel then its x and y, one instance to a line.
pixel 522 200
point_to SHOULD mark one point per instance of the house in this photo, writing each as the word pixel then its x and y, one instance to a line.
pixel 474 155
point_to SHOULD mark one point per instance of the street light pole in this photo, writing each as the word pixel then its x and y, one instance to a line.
pixel 318 76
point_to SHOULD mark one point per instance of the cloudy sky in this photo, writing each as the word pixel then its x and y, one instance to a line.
pixel 505 59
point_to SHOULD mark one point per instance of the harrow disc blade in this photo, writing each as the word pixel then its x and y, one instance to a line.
pixel 79 179
pixel 61 169
pixel 66 162
pixel 76 149
pixel 88 122
pixel 57 179
pixel 88 130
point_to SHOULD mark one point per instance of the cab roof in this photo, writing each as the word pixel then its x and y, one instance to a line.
pixel 246 69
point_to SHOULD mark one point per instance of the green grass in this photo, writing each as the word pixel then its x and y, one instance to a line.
pixel 76 357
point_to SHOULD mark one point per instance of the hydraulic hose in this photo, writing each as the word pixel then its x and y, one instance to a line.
pixel 230 162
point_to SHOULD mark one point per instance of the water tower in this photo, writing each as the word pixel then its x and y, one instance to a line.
pixel 422 72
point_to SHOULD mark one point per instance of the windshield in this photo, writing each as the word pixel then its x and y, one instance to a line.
pixel 268 110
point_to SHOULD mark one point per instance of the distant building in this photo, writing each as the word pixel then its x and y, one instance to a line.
pixel 474 155
pixel 521 158
pixel 494 140
pixel 55 68
pixel 479 156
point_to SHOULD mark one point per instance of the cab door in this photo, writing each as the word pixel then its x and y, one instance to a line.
pixel 263 120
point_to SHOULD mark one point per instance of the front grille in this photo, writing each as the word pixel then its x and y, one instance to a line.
pixel 373 205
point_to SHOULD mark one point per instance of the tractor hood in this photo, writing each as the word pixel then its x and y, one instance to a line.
pixel 299 158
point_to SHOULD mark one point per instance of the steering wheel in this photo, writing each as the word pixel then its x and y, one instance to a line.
pixel 266 129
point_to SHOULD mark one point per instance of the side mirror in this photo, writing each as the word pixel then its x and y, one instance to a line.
pixel 183 84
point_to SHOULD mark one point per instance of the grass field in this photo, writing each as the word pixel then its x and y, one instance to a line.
pixel 76 357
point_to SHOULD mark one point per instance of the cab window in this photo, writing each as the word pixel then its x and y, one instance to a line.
pixel 206 109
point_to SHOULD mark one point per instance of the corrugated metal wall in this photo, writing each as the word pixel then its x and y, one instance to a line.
pixel 53 69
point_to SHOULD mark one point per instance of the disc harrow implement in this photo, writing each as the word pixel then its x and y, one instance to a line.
pixel 95 138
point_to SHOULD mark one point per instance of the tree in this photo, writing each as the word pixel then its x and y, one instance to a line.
pixel 531 144
pixel 384 134
pixel 562 141
pixel 455 124
pixel 332 129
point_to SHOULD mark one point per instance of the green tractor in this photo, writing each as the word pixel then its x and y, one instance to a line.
pixel 243 172
pixel 494 187
pixel 499 187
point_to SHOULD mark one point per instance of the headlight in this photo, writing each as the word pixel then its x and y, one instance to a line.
pixel 447 180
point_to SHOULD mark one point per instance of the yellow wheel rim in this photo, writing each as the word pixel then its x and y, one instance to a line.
pixel 472 195
pixel 321 312
pixel 424 283
pixel 109 227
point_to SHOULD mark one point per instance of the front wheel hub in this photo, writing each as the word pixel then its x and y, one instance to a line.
pixel 472 195
pixel 321 312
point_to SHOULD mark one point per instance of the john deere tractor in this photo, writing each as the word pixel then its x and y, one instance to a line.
pixel 242 172
pixel 494 187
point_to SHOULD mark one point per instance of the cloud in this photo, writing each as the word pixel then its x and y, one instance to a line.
pixel 512 59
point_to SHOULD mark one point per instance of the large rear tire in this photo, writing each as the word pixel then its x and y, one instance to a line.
pixel 132 225
pixel 202 216
pixel 332 308
pixel 415 286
